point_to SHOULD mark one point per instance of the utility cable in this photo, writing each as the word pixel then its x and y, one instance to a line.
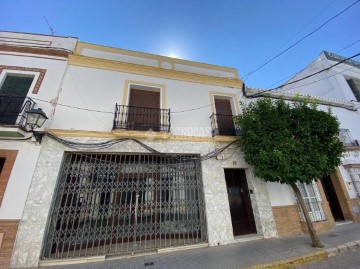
pixel 300 40
pixel 111 142
pixel 306 77
pixel 314 63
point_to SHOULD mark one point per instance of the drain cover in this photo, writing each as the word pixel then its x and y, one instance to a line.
pixel 333 235
pixel 149 263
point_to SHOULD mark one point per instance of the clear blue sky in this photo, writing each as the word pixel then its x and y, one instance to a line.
pixel 241 34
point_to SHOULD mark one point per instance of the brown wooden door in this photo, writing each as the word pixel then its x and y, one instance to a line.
pixel 144 110
pixel 224 118
pixel 242 216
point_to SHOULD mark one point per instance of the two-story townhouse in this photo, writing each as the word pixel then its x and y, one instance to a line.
pixel 31 70
pixel 337 78
pixel 335 198
pixel 139 157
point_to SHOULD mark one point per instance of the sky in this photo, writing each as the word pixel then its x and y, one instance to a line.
pixel 239 34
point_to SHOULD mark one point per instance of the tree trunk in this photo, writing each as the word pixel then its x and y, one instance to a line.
pixel 315 240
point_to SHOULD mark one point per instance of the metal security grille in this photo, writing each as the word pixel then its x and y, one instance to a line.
pixel 120 203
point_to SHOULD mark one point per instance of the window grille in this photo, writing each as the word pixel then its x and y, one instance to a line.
pixel 355 180
pixel 312 199
pixel 123 203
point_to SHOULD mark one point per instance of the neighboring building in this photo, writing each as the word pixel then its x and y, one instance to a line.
pixel 130 166
pixel 31 69
pixel 334 198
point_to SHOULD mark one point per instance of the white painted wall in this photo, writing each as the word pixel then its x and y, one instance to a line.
pixel 280 194
pixel 18 185
pixel 98 89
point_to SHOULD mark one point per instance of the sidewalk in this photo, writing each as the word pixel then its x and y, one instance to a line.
pixel 234 256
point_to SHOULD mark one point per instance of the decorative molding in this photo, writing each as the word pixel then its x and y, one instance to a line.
pixel 138 134
pixel 37 50
pixel 91 62
pixel 351 165
pixel 82 45
pixel 233 97
pixel 20 68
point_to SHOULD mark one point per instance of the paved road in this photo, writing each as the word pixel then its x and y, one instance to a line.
pixel 350 260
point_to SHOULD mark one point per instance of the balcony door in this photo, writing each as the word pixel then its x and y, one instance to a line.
pixel 13 92
pixel 144 110
pixel 224 118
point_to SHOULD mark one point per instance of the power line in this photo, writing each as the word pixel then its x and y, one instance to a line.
pixel 306 77
pixel 315 63
pixel 299 86
pixel 205 106
pixel 302 29
pixel 74 107
pixel 303 38
pixel 111 142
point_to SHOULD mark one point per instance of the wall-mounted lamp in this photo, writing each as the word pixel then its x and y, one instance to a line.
pixel 35 119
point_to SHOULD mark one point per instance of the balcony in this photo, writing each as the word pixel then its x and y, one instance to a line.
pixel 141 118
pixel 223 125
pixel 12 110
pixel 346 137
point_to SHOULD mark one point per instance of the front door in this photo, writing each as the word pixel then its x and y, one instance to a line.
pixel 242 216
pixel 332 198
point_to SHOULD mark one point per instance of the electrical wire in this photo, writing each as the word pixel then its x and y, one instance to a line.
pixel 313 64
pixel 111 142
pixel 306 77
pixel 300 40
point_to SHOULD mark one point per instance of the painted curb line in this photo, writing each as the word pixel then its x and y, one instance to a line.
pixel 311 257
pixel 291 262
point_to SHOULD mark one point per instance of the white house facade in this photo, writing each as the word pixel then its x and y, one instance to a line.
pixel 138 157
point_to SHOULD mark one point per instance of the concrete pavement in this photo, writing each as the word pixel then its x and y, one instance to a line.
pixel 268 253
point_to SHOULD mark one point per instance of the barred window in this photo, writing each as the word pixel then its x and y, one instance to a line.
pixel 312 199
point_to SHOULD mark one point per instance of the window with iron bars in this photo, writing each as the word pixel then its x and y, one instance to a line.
pixel 355 180
pixel 312 199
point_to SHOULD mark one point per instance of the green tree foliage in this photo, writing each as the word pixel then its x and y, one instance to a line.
pixel 290 142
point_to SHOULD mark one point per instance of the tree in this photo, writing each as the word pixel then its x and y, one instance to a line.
pixel 290 142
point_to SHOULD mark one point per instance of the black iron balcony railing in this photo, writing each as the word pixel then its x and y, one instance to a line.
pixel 223 125
pixel 12 110
pixel 141 118
pixel 346 137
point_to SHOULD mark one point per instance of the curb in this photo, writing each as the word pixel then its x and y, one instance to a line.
pixel 311 257
pixel 291 262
